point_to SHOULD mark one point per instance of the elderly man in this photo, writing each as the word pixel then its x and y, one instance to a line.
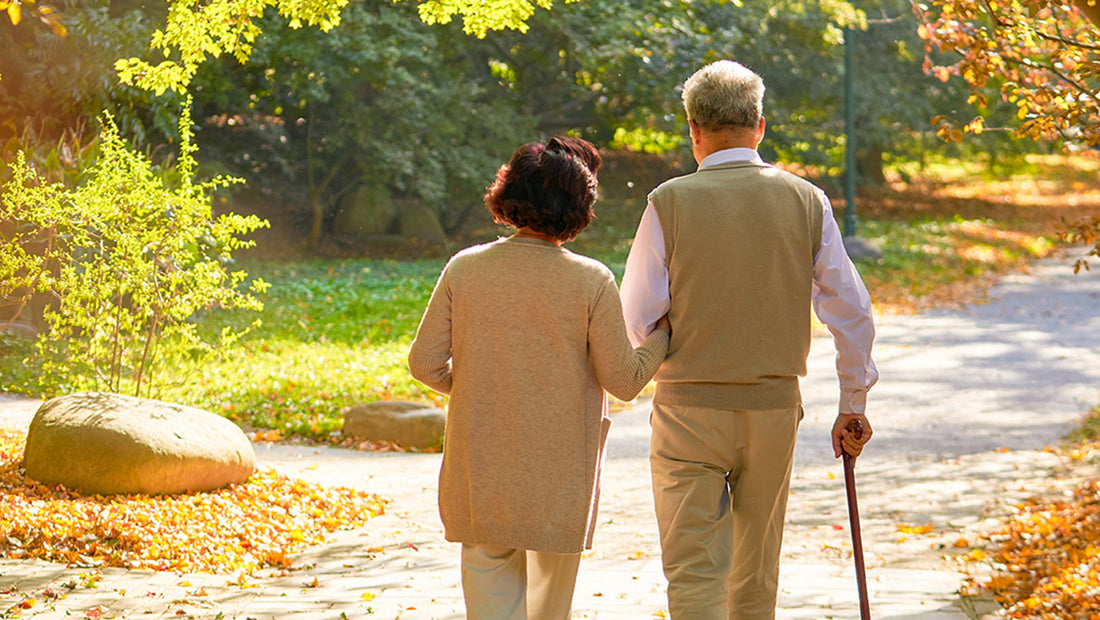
pixel 737 253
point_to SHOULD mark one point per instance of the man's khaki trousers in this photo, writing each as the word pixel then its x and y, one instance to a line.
pixel 501 583
pixel 720 485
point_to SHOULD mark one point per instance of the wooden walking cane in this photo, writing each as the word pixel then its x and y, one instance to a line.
pixel 856 428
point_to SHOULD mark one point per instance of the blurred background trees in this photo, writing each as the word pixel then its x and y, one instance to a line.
pixel 374 127
pixel 371 129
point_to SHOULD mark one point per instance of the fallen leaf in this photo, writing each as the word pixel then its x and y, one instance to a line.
pixel 915 529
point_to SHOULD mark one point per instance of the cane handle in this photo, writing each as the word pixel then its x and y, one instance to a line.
pixel 855 427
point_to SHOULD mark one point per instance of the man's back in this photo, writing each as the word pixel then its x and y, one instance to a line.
pixel 740 240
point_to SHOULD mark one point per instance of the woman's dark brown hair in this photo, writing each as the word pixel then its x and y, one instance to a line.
pixel 550 188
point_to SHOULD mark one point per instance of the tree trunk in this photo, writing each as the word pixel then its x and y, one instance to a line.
pixel 869 165
pixel 317 208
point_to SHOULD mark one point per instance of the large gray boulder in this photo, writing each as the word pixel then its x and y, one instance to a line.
pixel 409 424
pixel 368 210
pixel 106 444
pixel 420 223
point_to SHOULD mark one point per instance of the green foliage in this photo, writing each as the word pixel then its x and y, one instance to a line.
pixel 66 161
pixel 1089 429
pixel 308 119
pixel 611 72
pixel 55 85
pixel 647 140
pixel 131 263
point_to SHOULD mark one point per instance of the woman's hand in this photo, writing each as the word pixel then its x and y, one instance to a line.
pixel 664 325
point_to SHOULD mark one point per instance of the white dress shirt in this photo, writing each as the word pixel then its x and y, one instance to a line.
pixel 840 299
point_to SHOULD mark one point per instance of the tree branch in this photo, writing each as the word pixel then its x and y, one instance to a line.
pixel 1080 88
pixel 1067 42
pixel 1050 37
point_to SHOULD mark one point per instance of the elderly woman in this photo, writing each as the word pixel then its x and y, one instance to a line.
pixel 526 336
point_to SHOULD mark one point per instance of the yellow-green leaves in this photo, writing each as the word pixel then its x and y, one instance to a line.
pixel 14 9
pixel 195 31
pixel 646 140
pixel 479 16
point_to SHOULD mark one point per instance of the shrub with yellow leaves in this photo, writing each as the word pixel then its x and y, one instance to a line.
pixel 234 530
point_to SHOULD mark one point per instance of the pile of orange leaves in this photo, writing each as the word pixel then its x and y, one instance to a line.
pixel 234 530
pixel 1048 558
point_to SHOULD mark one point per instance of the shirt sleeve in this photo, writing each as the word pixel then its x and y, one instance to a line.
pixel 842 303
pixel 430 353
pixel 644 291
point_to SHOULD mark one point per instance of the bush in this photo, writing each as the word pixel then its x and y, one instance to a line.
pixel 130 260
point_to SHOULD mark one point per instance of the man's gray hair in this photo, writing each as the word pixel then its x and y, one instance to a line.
pixel 724 94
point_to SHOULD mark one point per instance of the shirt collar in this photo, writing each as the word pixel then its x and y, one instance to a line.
pixel 726 156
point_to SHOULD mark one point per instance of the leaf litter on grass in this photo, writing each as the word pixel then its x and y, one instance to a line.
pixel 235 530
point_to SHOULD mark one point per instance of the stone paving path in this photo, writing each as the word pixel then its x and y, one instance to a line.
pixel 967 401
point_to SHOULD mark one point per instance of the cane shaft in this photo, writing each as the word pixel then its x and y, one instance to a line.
pixel 857 537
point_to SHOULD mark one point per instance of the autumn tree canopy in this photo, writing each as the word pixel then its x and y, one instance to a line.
pixel 1043 57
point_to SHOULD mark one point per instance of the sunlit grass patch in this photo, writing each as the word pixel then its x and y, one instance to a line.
pixel 943 263
pixel 235 530
pixel 1088 432
pixel 301 387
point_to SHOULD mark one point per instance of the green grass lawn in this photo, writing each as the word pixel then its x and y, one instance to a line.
pixel 333 334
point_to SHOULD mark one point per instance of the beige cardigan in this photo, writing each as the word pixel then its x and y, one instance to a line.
pixel 525 337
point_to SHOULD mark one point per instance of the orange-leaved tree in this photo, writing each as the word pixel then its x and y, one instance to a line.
pixel 1042 56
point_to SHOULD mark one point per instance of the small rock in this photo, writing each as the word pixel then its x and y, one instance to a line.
pixel 106 444
pixel 409 424
pixel 860 249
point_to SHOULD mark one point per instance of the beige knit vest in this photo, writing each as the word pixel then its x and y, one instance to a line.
pixel 740 240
